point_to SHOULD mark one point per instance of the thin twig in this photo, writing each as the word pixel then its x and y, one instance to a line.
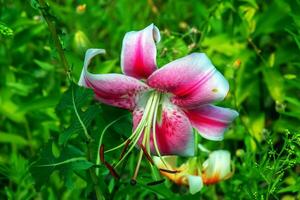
pixel 45 12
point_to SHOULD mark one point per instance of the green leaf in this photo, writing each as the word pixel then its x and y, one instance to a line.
pixel 5 31
pixel 275 83
pixel 75 101
pixel 13 139
pixel 75 127
pixel 44 65
pixel 71 159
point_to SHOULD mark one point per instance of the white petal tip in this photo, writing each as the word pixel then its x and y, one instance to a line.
pixel 195 184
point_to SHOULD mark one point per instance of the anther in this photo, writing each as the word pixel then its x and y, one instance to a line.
pixel 147 154
pixel 169 171
pixel 101 153
pixel 112 170
pixel 156 182
pixel 132 182
pixel 124 149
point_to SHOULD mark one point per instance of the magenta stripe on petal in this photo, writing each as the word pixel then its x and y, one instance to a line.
pixel 113 89
pixel 211 121
pixel 138 57
pixel 192 79
pixel 174 133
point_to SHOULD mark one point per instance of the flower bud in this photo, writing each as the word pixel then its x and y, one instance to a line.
pixel 81 43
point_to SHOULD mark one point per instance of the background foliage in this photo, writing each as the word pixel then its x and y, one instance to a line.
pixel 256 45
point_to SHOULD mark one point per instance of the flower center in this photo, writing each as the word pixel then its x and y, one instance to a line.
pixel 141 136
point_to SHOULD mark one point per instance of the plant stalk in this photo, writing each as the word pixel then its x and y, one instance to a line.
pixel 45 13
pixel 55 37
pixel 93 175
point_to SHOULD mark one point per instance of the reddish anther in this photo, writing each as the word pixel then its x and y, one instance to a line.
pixel 112 170
pixel 124 149
pixel 101 153
pixel 169 171
pixel 156 182
pixel 147 154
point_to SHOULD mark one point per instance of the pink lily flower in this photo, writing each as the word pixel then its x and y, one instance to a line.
pixel 216 168
pixel 167 102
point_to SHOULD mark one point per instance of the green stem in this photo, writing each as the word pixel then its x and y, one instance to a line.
pixel 54 34
pixel 45 12
pixel 93 175
pixel 63 162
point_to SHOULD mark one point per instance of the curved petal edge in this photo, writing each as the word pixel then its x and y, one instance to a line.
pixel 113 89
pixel 193 80
pixel 211 121
pixel 138 56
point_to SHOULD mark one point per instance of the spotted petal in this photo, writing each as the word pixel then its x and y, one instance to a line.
pixel 174 133
pixel 113 89
pixel 138 57
pixel 192 79
pixel 211 121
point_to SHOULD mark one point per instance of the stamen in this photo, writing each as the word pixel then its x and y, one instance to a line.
pixel 112 170
pixel 146 136
pixel 147 154
pixel 154 133
pixel 156 182
pixel 101 153
pixel 124 149
pixel 169 171
pixel 99 159
pixel 136 171
pixel 139 130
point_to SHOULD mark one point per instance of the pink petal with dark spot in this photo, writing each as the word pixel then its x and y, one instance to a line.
pixel 174 133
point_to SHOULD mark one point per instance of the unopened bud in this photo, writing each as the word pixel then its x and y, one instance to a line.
pixel 81 8
pixel 81 42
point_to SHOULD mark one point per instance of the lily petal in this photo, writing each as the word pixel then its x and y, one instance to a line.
pixel 171 162
pixel 217 167
pixel 174 132
pixel 180 177
pixel 192 79
pixel 195 184
pixel 113 89
pixel 211 121
pixel 138 57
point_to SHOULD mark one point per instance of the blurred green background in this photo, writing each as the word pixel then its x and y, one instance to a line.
pixel 255 44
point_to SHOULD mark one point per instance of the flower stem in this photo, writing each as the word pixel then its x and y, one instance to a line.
pixel 45 12
pixel 93 175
